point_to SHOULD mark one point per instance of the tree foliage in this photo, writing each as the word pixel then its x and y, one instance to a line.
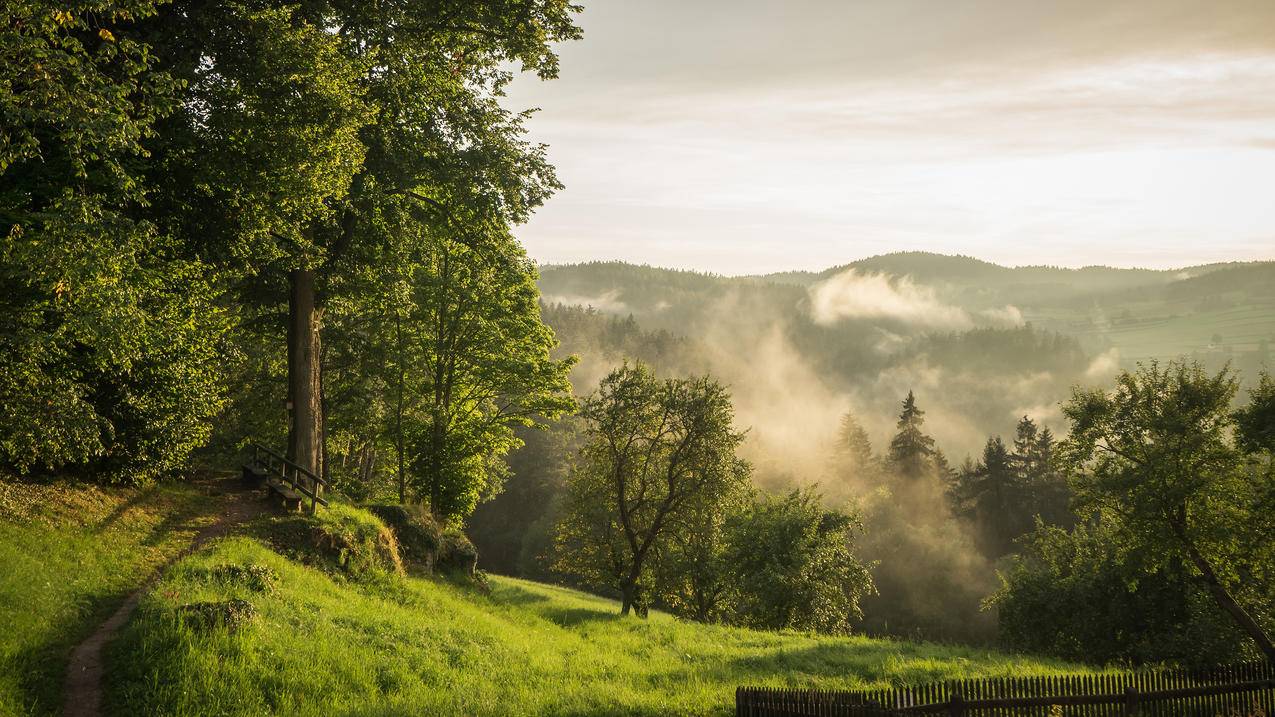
pixel 110 341
pixel 791 565
pixel 1178 514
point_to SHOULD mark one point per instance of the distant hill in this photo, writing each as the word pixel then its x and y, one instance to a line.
pixel 1143 313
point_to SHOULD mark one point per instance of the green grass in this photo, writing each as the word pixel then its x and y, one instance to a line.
pixel 69 554
pixel 321 644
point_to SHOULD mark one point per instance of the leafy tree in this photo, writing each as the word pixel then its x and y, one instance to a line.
pixel 1155 458
pixel 911 450
pixel 792 566
pixel 693 573
pixel 346 122
pixel 655 450
pixel 485 368
pixel 109 342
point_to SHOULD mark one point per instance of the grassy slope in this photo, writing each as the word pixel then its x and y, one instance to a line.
pixel 68 556
pixel 417 646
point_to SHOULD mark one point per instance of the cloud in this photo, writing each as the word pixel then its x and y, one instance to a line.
pixel 1104 366
pixel 608 301
pixel 854 295
pixel 1007 315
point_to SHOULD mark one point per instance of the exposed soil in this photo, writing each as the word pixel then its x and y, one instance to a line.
pixel 83 690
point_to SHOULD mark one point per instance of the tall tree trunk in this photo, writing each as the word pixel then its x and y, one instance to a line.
pixel 627 597
pixel 398 413
pixel 305 437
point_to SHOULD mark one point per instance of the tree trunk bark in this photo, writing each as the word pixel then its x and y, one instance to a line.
pixel 1223 598
pixel 305 435
pixel 398 421
pixel 626 598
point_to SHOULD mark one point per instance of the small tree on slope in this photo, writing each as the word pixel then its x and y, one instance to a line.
pixel 656 449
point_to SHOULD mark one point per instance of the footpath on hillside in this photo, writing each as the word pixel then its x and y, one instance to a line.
pixel 82 695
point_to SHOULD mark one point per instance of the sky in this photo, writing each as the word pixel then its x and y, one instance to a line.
pixel 752 136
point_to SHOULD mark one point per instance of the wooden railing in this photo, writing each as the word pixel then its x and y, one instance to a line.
pixel 1241 690
pixel 300 479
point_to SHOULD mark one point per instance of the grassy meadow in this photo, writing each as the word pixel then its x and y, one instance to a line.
pixel 71 553
pixel 320 644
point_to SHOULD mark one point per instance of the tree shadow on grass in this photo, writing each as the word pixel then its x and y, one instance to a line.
pixel 507 594
pixel 896 663
pixel 137 500
pixel 577 616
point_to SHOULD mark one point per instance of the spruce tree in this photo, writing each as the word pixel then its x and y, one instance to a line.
pixel 911 450
pixel 852 454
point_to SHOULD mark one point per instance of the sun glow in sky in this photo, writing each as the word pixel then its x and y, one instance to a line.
pixel 750 136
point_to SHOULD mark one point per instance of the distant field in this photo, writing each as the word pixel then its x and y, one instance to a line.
pixel 415 646
pixel 1158 331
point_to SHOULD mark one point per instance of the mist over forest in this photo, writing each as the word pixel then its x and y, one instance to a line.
pixel 980 346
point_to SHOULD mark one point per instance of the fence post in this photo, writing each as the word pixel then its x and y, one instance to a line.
pixel 956 705
pixel 1130 701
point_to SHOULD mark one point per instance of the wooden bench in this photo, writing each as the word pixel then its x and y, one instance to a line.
pixel 288 482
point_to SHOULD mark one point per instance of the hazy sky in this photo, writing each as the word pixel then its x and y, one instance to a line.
pixel 744 136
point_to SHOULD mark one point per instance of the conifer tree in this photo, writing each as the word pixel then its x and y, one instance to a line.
pixel 911 450
pixel 852 453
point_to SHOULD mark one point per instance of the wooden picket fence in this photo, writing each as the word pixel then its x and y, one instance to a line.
pixel 1240 690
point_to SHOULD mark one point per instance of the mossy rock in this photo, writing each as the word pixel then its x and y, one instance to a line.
pixel 357 541
pixel 458 554
pixel 230 615
pixel 419 537
pixel 342 539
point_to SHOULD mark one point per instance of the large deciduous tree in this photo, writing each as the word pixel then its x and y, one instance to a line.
pixel 1157 459
pixel 108 341
pixel 656 449
pixel 310 131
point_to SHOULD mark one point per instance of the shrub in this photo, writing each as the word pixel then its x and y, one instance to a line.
pixel 257 578
pixel 228 614
pixel 1077 595
pixel 791 565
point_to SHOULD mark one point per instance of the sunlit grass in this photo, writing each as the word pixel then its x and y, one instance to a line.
pixel 415 646
pixel 69 554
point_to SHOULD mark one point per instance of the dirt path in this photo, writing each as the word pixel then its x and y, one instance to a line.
pixel 83 690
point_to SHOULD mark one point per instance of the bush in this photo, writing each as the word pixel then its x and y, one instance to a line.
pixel 1076 595
pixel 254 577
pixel 791 565
pixel 419 537
pixel 228 614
